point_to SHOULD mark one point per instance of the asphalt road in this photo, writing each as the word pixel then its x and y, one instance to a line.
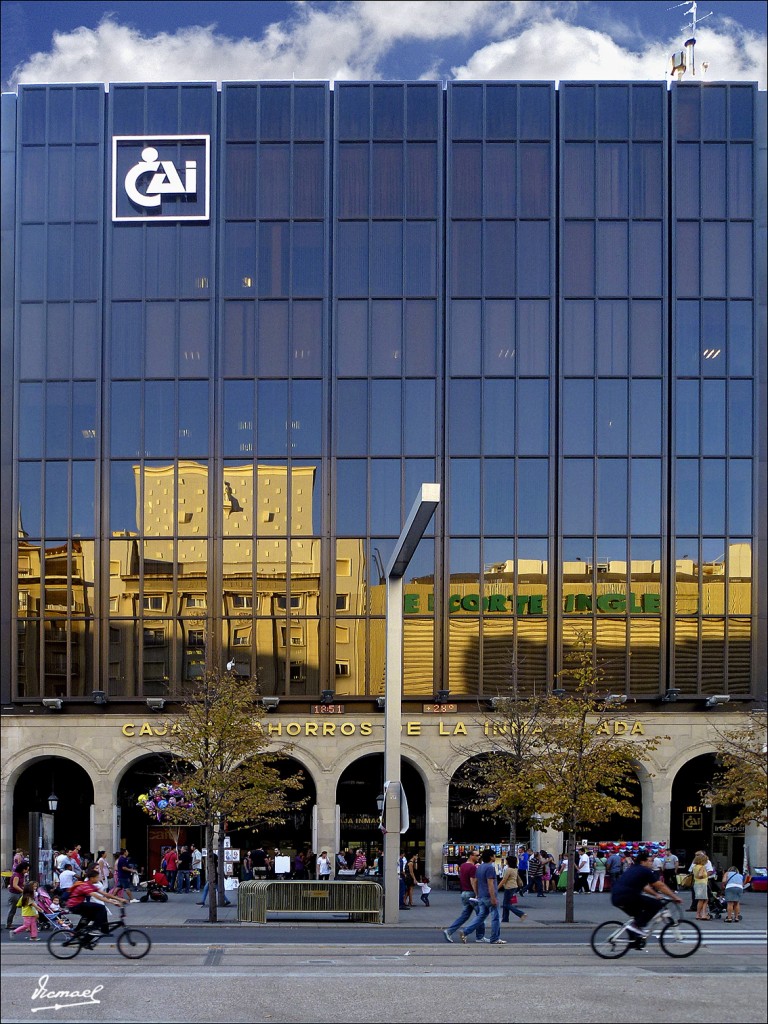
pixel 310 973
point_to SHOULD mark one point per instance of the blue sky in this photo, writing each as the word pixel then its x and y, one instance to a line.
pixel 365 39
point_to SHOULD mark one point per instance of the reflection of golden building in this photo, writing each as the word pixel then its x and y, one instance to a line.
pixel 270 584
pixel 56 593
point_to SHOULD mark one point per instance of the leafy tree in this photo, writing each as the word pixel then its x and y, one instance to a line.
pixel 742 780
pixel 557 755
pixel 500 780
pixel 582 768
pixel 222 766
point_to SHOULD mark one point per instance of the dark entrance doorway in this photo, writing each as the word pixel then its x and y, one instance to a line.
pixel 697 824
pixel 357 791
pixel 72 819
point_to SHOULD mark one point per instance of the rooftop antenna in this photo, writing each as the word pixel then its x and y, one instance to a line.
pixel 684 59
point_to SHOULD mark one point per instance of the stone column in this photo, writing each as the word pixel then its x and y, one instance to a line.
pixel 755 844
pixel 103 814
pixel 436 828
pixel 657 805
pixel 326 814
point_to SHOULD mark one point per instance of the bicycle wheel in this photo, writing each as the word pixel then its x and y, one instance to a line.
pixel 133 943
pixel 64 945
pixel 680 938
pixel 610 940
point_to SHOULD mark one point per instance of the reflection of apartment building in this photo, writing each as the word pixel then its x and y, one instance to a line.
pixel 269 617
pixel 55 618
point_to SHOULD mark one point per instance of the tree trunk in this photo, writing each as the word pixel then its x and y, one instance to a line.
pixel 210 874
pixel 513 832
pixel 220 893
pixel 572 866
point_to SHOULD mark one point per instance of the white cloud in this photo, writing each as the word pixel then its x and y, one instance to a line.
pixel 569 52
pixel 353 40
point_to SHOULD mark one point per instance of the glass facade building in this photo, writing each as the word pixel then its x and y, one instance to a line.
pixel 242 326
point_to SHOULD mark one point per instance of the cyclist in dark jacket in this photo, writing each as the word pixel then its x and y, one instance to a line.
pixel 635 893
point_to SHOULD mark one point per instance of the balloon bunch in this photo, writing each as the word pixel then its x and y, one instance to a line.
pixel 165 796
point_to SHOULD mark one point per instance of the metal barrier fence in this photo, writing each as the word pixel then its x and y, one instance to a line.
pixel 362 900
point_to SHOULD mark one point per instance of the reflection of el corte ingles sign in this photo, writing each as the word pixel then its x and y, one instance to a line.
pixel 533 604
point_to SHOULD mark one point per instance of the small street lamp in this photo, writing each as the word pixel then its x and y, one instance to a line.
pixel 53 802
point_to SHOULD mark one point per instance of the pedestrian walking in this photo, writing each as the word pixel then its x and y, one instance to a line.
pixel 29 911
pixel 16 885
pixel 509 883
pixel 468 888
pixel 597 878
pixel 487 901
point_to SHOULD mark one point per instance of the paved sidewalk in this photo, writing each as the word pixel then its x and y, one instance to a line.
pixel 444 907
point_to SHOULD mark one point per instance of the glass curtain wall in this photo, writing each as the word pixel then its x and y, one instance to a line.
pixel 500 323
pixel 613 354
pixel 387 364
pixel 713 349
pixel 59 330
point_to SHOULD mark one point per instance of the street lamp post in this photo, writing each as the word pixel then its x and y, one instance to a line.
pixel 418 519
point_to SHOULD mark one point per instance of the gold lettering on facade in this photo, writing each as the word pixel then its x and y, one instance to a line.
pixel 413 728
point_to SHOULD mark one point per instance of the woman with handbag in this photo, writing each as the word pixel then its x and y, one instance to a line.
pixel 509 883
pixel 700 887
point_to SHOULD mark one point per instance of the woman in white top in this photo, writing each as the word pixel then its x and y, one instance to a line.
pixel 104 867
pixel 324 867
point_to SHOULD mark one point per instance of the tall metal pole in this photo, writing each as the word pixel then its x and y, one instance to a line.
pixel 418 519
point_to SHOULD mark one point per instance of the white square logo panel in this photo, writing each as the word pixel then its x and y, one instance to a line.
pixel 161 177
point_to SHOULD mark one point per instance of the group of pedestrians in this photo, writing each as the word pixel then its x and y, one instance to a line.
pixel 182 868
pixel 478 884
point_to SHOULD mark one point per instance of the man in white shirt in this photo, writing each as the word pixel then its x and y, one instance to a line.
pixel 63 861
pixel 197 866
pixel 67 879
pixel 582 878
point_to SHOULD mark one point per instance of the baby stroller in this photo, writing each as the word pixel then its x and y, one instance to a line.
pixel 52 919
pixel 716 904
pixel 154 892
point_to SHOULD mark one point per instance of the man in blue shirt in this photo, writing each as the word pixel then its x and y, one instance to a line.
pixel 522 870
pixel 635 893
pixel 487 903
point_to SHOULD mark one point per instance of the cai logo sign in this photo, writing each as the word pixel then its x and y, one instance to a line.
pixel 161 177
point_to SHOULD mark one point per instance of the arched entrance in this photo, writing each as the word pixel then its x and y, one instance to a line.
pixel 295 833
pixel 469 824
pixel 72 818
pixel 145 838
pixel 699 825
pixel 359 786
pixel 137 832
pixel 620 828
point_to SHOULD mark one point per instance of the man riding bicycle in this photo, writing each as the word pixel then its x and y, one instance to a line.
pixel 635 890
pixel 79 902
